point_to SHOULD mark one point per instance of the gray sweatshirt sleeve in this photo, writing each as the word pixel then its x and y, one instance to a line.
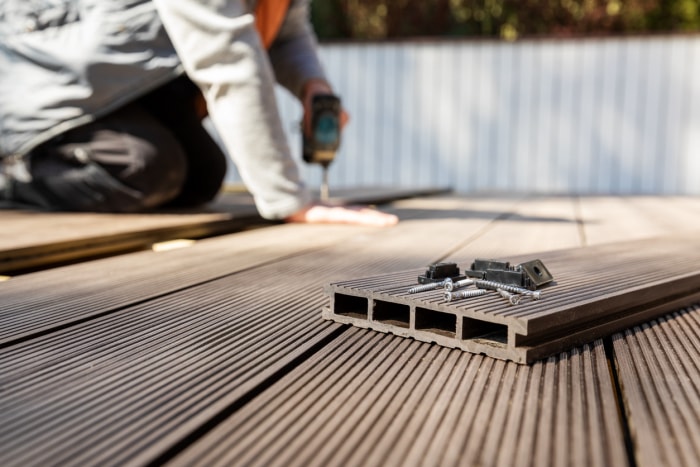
pixel 293 53
pixel 222 53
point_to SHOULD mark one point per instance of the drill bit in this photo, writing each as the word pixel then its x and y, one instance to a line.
pixel 324 185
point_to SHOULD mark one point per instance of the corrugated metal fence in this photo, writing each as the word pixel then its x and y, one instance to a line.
pixel 617 116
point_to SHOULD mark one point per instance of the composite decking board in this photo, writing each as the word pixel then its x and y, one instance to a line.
pixel 44 300
pixel 138 409
pixel 599 290
pixel 528 436
pixel 657 366
pixel 26 229
pixel 41 301
pixel 144 377
pixel 542 223
pixel 32 239
pixel 370 396
pixel 601 218
pixel 606 219
pixel 373 399
pixel 118 374
pixel 41 239
pixel 669 214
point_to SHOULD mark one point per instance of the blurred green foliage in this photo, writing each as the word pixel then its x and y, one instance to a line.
pixel 508 19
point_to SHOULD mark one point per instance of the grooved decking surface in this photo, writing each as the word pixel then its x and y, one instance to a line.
pixel 31 240
pixel 28 241
pixel 217 353
pixel 597 290
pixel 371 399
pixel 658 367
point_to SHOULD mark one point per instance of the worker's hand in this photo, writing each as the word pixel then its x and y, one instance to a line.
pixel 355 215
pixel 311 88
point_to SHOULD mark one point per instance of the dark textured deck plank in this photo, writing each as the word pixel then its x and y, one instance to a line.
pixel 369 398
pixel 377 400
pixel 45 300
pixel 535 224
pixel 129 385
pixel 41 301
pixel 40 240
pixel 608 219
pixel 657 364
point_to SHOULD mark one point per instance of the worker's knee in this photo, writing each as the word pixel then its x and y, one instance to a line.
pixel 143 157
pixel 156 170
pixel 123 167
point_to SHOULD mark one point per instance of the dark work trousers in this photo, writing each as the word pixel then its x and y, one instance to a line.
pixel 151 153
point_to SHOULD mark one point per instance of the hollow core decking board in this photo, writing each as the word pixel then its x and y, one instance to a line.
pixel 598 290
pixel 657 365
pixel 129 385
pixel 372 399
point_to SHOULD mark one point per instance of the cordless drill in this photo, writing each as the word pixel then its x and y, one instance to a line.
pixel 320 146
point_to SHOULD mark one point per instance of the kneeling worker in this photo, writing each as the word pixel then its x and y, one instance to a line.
pixel 101 104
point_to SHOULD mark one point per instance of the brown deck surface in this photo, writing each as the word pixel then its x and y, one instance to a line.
pixel 31 241
pixel 217 353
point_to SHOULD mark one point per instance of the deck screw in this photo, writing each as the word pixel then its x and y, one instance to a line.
pixel 512 298
pixel 460 294
pixel 450 286
pixel 533 294
pixel 431 286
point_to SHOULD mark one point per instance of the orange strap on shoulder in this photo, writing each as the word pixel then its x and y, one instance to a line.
pixel 269 15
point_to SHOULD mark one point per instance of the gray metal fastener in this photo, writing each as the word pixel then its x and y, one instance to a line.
pixel 513 299
pixel 491 285
pixel 450 286
pixel 460 294
pixel 431 286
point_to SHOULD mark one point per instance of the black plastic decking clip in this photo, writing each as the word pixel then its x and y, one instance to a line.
pixel 440 271
pixel 529 275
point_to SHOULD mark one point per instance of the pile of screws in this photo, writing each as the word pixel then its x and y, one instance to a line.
pixel 511 293
pixel 452 284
